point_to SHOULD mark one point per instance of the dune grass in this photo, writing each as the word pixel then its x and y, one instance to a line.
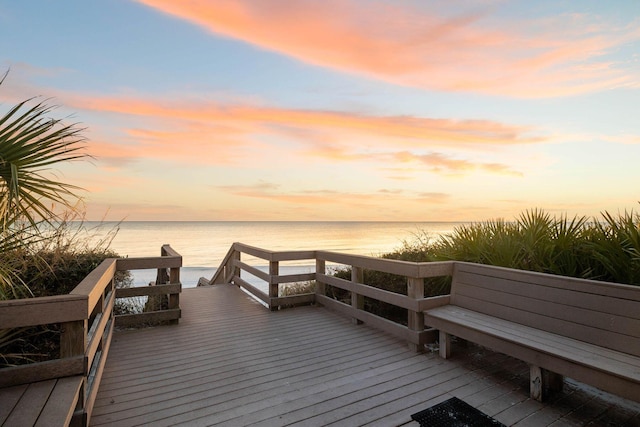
pixel 601 248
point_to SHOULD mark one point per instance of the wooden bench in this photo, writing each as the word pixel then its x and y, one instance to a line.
pixel 44 403
pixel 583 329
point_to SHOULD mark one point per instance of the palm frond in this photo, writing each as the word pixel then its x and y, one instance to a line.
pixel 31 143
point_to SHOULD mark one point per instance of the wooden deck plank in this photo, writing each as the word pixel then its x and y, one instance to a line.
pixel 27 410
pixel 224 365
pixel 203 403
pixel 374 407
pixel 264 400
pixel 62 403
pixel 230 361
pixel 9 397
pixel 227 389
pixel 234 360
pixel 478 378
pixel 333 404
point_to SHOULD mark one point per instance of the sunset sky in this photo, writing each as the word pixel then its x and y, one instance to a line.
pixel 337 109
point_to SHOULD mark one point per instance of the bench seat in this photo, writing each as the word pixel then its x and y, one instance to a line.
pixel 560 326
pixel 43 403
pixel 601 367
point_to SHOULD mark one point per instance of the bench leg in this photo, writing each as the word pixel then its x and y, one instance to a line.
pixel 535 382
pixel 542 381
pixel 445 345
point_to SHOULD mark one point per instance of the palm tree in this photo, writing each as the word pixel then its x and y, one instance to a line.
pixel 31 143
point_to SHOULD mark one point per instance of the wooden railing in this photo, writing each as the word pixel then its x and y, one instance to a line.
pixel 232 266
pixel 414 302
pixel 86 318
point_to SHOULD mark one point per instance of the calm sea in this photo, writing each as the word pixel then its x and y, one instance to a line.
pixel 203 245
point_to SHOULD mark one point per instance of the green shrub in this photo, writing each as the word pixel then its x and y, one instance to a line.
pixel 297 288
pixel 614 246
pixel 602 249
pixel 41 252
pixel 55 265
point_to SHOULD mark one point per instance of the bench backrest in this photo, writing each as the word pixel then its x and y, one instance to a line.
pixel 601 313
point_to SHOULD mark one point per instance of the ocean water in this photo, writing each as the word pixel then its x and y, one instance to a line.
pixel 203 245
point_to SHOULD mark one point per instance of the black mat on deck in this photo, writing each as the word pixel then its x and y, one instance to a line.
pixel 454 413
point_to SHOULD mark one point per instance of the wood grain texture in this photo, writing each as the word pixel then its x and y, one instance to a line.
pixel 24 374
pixel 42 310
pixel 232 362
pixel 42 403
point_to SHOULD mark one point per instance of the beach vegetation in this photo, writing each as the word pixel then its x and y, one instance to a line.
pixel 297 288
pixel 603 248
pixel 45 249
pixel 32 198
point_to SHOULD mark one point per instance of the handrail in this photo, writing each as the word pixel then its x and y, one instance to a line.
pixel 232 266
pixel 87 321
pixel 220 275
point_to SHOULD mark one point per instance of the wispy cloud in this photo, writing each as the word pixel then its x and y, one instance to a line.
pixel 419 45
pixel 228 118
pixel 440 163
pixel 275 193
pixel 212 133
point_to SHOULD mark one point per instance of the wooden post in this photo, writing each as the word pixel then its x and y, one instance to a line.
pixel 445 345
pixel 73 342
pixel 415 319
pixel 174 299
pixel 162 277
pixel 174 275
pixel 232 269
pixel 357 300
pixel 73 339
pixel 535 382
pixel 100 309
pixel 109 289
pixel 543 381
pixel 274 270
pixel 320 269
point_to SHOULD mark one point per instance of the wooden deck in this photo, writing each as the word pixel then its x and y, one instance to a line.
pixel 232 362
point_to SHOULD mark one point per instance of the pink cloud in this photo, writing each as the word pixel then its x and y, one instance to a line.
pixel 212 133
pixel 253 118
pixel 441 163
pixel 421 46
pixel 243 119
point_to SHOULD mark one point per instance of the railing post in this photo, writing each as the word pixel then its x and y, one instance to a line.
pixel 174 299
pixel 173 277
pixel 234 269
pixel 274 270
pixel 73 343
pixel 100 309
pixel 320 269
pixel 73 338
pixel 357 300
pixel 111 289
pixel 415 321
